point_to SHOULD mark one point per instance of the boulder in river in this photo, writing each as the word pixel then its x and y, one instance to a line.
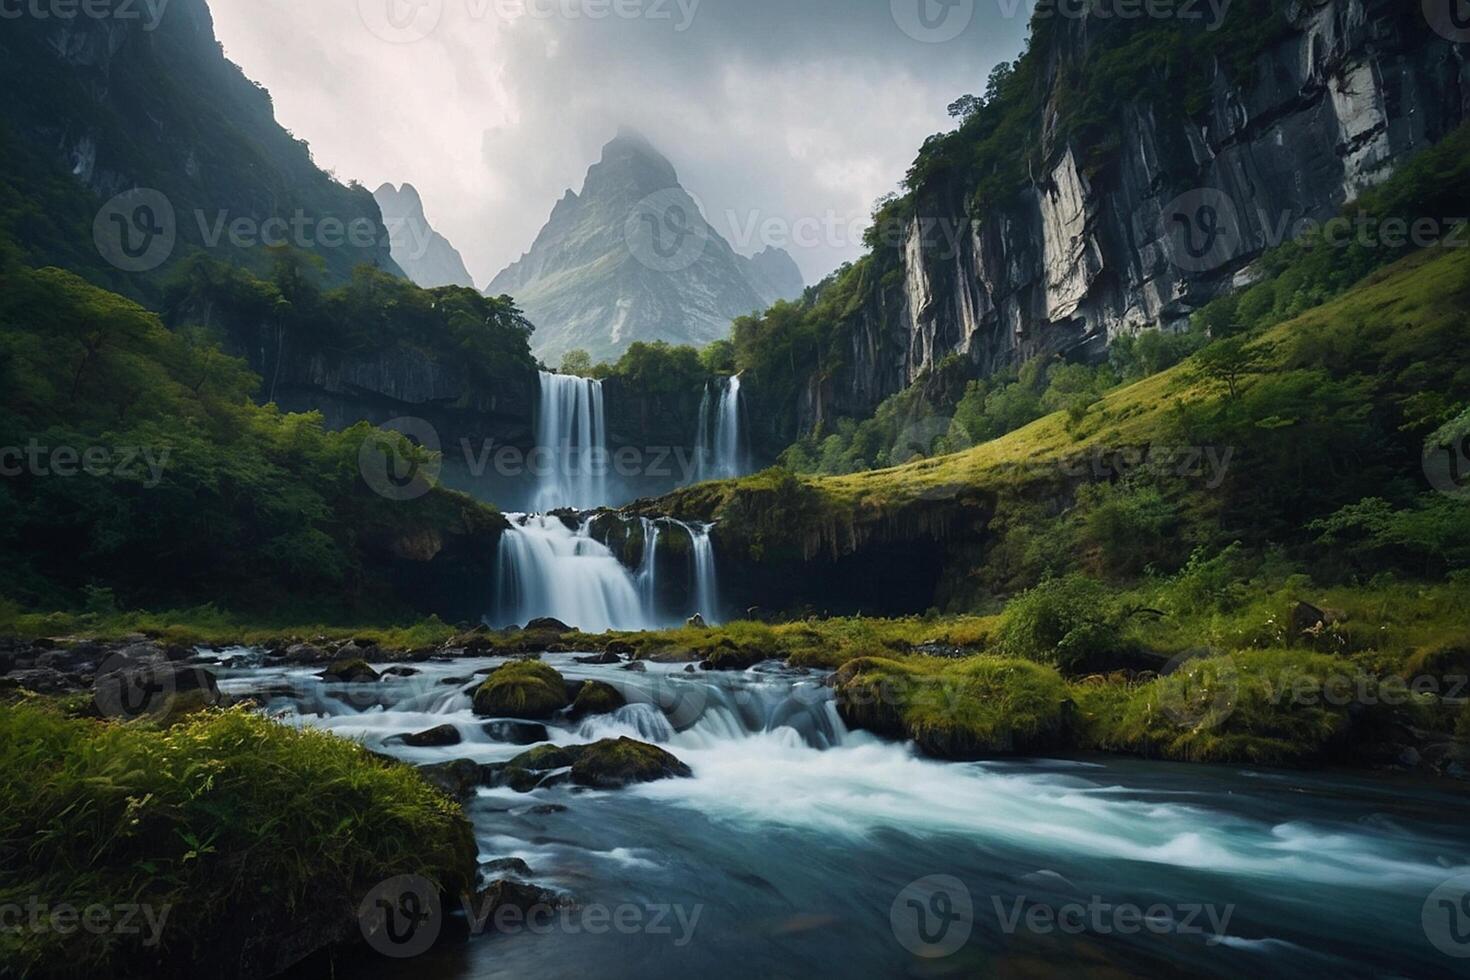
pixel 354 671
pixel 548 625
pixel 525 689
pixel 435 738
pixel 615 763
pixel 597 698
pixel 517 732
pixel 458 779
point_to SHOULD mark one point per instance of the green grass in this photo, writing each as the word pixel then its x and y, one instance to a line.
pixel 252 834
pixel 972 708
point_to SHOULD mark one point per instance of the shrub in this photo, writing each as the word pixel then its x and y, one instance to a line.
pixel 1069 622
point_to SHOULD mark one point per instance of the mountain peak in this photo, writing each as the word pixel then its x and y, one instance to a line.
pixel 425 255
pixel 631 152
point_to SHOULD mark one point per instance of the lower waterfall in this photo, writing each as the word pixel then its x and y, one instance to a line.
pixel 546 569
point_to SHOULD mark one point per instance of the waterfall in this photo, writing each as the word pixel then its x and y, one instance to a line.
pixel 725 460
pixel 547 569
pixel 706 591
pixel 648 569
pixel 728 463
pixel 571 442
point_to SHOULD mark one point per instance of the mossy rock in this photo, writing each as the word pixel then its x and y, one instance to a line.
pixel 728 656
pixel 978 708
pixel 353 671
pixel 597 698
pixel 525 689
pixel 615 763
pixel 544 758
pixel 609 764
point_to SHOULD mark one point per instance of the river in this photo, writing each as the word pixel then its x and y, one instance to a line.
pixel 800 848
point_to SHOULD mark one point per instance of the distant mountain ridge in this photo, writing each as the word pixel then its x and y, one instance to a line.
pixel 425 255
pixel 632 258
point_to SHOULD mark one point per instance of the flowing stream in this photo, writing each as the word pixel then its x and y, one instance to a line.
pixel 795 848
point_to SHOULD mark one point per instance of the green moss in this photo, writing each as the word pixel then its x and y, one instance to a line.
pixel 521 689
pixel 1264 707
pixel 973 708
pixel 596 698
pixel 222 811
pixel 614 763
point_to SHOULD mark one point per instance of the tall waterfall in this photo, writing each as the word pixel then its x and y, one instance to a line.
pixel 546 569
pixel 571 443
pixel 720 457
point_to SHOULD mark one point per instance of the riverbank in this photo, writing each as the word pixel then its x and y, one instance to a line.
pixel 1210 665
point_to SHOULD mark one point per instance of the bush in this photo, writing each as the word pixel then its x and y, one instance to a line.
pixel 223 814
pixel 1069 622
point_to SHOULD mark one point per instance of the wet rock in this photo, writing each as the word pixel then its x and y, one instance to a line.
pixel 621 648
pixel 547 809
pixel 637 667
pixel 600 660
pixel 597 698
pixel 526 689
pixel 453 681
pixel 548 625
pixel 305 653
pixel 350 672
pixel 458 779
pixel 517 732
pixel 402 672
pixel 434 738
pixel 545 758
pixel 615 763
pixel 513 866
pixel 696 622
pixel 508 901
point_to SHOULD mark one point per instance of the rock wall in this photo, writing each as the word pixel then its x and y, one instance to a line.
pixel 1086 254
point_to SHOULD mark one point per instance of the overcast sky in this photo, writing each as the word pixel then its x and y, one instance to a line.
pixel 785 118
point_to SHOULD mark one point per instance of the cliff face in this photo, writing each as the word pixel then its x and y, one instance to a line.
pixel 1168 217
pixel 144 97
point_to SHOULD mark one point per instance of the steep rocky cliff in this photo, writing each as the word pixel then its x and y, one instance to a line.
pixel 1136 219
pixel 125 95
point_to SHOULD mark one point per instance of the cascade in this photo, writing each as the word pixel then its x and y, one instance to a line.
pixel 721 458
pixel 548 569
pixel 571 444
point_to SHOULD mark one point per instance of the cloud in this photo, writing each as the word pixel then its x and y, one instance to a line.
pixel 787 118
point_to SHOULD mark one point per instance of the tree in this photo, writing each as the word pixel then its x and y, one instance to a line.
pixel 577 362
pixel 1229 362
